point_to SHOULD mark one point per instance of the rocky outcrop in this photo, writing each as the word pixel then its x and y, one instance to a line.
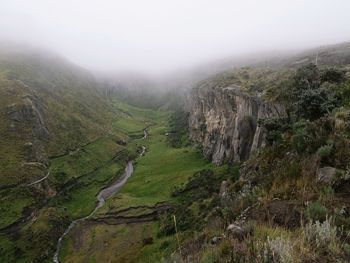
pixel 28 116
pixel 224 121
pixel 326 175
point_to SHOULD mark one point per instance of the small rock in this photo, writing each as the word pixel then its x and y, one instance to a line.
pixel 326 175
pixel 121 142
pixel 236 232
pixel 223 188
pixel 215 240
pixel 343 212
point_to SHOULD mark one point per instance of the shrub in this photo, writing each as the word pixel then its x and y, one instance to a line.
pixel 325 151
pixel 327 194
pixel 344 93
pixel 274 127
pixel 293 169
pixel 309 99
pixel 178 135
pixel 347 249
pixel 165 244
pixel 300 139
pixel 210 256
pixel 314 103
pixel 320 235
pixel 333 75
pixel 307 77
pixel 279 250
pixel 316 212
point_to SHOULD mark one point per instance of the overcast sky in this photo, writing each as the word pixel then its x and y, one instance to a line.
pixel 162 35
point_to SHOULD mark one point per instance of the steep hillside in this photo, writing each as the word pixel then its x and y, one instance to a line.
pixel 62 141
pixel 49 106
pixel 290 201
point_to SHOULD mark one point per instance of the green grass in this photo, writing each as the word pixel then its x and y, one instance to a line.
pixel 103 243
pixel 128 125
pixel 12 202
pixel 7 249
pixel 156 173
pixel 161 247
pixel 131 119
pixel 84 161
pixel 81 201
pixel 75 112
pixel 135 112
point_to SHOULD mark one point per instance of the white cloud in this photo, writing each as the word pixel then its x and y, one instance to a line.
pixel 162 35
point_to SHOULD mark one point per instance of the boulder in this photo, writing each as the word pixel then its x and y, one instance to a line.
pixel 236 232
pixel 223 188
pixel 215 240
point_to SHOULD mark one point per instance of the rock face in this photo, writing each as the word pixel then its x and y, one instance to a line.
pixel 224 121
pixel 29 117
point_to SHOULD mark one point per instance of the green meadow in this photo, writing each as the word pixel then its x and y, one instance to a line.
pixel 155 176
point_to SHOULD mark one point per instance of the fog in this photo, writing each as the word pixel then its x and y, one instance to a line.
pixel 160 36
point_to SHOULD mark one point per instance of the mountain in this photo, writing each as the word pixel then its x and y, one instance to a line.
pixel 57 131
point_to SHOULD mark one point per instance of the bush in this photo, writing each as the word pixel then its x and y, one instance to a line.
pixel 347 249
pixel 327 194
pixel 279 250
pixel 324 151
pixel 301 139
pixel 307 77
pixel 178 134
pixel 344 93
pixel 333 75
pixel 312 104
pixel 316 212
pixel 320 235
pixel 313 94
pixel 274 127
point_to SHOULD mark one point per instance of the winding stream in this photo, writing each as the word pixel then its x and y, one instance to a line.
pixel 101 198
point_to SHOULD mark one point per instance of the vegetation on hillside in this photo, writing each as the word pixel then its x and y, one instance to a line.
pixel 291 202
pixel 57 128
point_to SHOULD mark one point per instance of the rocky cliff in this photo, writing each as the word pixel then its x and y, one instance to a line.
pixel 223 120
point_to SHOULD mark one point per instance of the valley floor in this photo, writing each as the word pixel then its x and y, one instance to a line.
pixel 125 229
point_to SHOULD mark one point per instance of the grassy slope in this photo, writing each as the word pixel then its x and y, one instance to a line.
pixel 84 126
pixel 83 173
pixel 158 171
pixel 73 110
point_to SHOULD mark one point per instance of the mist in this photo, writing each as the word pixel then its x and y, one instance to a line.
pixel 159 36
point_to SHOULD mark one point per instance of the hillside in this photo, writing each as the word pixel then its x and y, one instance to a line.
pixel 288 129
pixel 62 141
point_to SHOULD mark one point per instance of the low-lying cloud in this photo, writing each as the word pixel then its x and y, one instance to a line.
pixel 158 36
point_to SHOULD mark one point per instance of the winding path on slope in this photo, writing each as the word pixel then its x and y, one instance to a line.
pixel 101 198
pixel 40 180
